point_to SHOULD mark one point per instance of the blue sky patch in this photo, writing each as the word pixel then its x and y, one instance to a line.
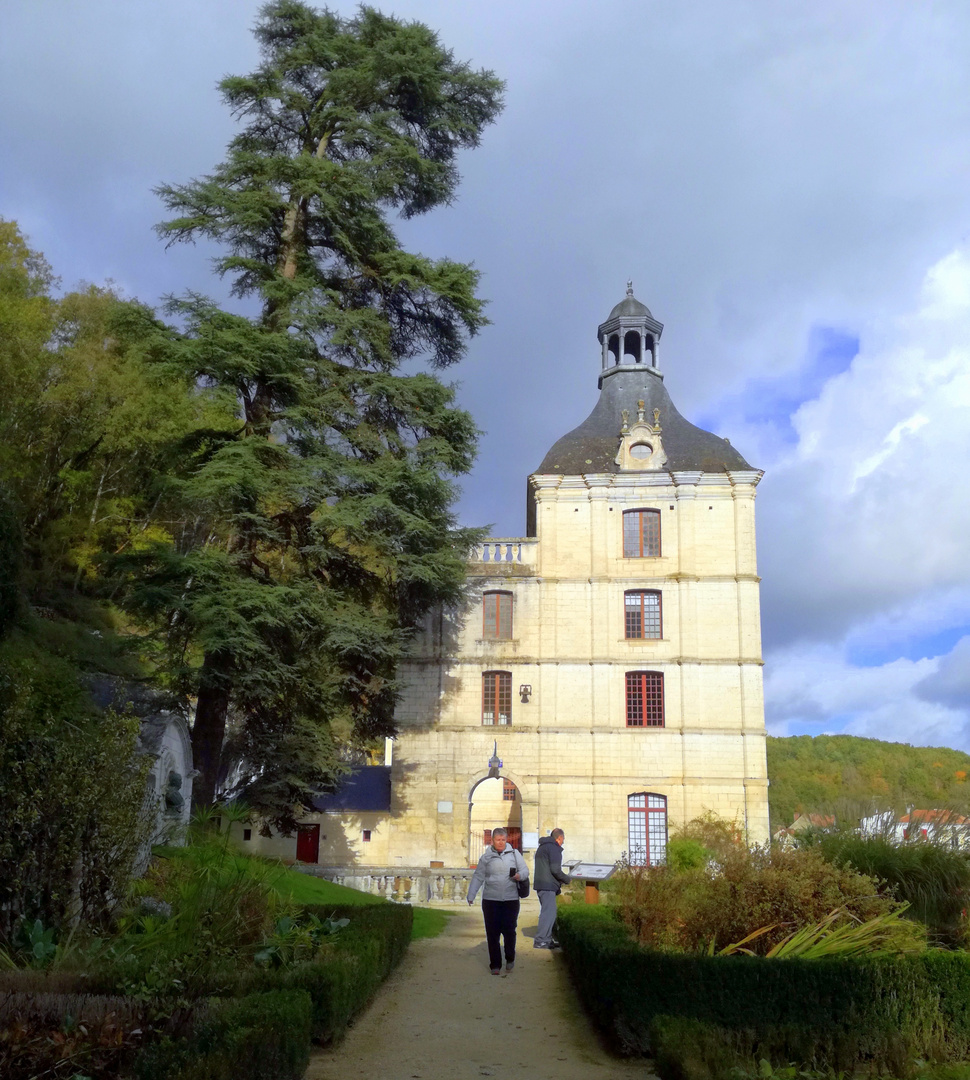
pixel 863 652
pixel 773 400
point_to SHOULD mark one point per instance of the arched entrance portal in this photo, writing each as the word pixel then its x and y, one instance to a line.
pixel 493 802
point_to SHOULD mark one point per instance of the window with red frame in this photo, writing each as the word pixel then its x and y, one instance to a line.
pixel 509 791
pixel 642 613
pixel 644 699
pixel 641 533
pixel 497 698
pixel 647 823
pixel 497 616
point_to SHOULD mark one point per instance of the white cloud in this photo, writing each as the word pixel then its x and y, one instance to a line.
pixel 868 511
pixel 949 683
pixel 864 527
pixel 814 690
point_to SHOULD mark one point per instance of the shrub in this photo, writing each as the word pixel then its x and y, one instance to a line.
pixel 72 801
pixel 693 910
pixel 688 855
pixel 882 1013
pixel 350 968
pixel 11 553
pixel 933 878
pixel 262 1036
pixel 718 836
pixel 67 1035
pixel 199 913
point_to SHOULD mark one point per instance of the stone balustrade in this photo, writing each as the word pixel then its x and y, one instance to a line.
pixel 520 551
pixel 399 884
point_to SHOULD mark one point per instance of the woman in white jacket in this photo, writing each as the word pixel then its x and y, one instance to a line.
pixel 498 873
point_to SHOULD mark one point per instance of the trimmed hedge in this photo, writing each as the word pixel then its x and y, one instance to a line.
pixel 686 1049
pixel 61 1035
pixel 261 1031
pixel 342 981
pixel 258 1037
pixel 877 1013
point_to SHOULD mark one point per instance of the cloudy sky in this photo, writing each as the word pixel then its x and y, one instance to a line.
pixel 788 185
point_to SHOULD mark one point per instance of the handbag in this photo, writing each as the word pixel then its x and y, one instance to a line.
pixel 522 887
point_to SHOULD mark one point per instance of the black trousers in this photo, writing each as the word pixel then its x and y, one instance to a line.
pixel 501 917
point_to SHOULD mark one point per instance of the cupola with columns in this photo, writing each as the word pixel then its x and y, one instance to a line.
pixel 630 337
pixel 631 384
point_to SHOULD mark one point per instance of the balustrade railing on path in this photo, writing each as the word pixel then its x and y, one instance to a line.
pixel 400 884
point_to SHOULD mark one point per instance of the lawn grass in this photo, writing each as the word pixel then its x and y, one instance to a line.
pixel 429 922
pixel 301 888
pixel 306 889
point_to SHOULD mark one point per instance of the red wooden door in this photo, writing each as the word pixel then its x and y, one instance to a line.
pixel 308 843
pixel 515 837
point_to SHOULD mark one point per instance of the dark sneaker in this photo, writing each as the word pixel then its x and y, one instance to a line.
pixel 541 945
pixel 553 945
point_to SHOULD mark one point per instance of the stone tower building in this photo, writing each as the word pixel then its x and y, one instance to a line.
pixel 610 659
pixel 604 675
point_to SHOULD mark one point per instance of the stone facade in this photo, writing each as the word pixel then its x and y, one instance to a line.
pixel 565 722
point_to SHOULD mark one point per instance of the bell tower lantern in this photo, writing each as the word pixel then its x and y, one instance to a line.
pixel 630 337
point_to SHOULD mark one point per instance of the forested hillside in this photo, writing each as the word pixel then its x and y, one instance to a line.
pixel 849 776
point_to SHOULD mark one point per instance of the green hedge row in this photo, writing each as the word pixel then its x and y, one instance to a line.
pixel 830 1013
pixel 344 979
pixel 259 1037
pixel 258 1027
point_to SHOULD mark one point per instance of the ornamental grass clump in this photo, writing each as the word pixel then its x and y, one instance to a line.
pixel 761 896
pixel 932 877
pixel 840 934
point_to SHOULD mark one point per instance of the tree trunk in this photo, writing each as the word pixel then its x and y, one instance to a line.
pixel 209 729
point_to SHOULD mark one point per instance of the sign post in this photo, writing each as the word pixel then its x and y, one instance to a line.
pixel 593 874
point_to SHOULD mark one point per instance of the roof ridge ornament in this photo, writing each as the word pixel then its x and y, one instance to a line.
pixel 629 287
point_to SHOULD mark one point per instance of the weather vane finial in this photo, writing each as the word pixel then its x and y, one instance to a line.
pixel 629 288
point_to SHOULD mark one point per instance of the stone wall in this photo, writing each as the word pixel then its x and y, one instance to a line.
pixel 568 749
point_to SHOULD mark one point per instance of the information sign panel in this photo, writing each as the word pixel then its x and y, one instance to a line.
pixel 591 871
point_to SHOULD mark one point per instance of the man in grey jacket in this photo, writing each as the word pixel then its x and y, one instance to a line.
pixel 499 870
pixel 549 880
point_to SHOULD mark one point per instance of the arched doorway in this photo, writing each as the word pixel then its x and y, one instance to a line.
pixel 493 802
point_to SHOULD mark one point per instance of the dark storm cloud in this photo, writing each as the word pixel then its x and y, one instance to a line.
pixel 765 173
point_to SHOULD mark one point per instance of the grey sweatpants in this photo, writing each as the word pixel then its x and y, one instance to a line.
pixel 547 916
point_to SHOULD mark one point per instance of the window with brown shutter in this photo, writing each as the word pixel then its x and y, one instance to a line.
pixel 644 699
pixel 642 613
pixel 497 698
pixel 641 533
pixel 497 616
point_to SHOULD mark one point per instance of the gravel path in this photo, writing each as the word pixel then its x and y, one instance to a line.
pixel 443 1016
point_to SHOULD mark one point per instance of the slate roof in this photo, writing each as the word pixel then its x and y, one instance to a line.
pixel 366 787
pixel 591 447
pixel 629 307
